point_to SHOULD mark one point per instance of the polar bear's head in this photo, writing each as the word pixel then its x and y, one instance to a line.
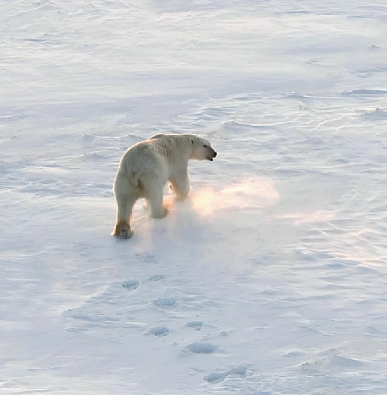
pixel 201 148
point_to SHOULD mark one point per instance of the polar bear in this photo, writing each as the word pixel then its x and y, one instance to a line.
pixel 147 166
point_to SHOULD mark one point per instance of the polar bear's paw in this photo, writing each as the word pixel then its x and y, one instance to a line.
pixel 159 213
pixel 122 231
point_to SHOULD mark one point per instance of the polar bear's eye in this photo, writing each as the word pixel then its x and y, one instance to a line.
pixel 205 146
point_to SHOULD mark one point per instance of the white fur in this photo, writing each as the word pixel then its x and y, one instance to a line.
pixel 147 166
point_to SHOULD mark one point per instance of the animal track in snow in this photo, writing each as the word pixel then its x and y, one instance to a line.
pixel 156 277
pixel 202 348
pixel 197 325
pixel 165 302
pixel 220 376
pixel 158 331
pixel 131 284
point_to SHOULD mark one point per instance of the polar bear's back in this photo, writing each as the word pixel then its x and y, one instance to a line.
pixel 160 149
pixel 142 158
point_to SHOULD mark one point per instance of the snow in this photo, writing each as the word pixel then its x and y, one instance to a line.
pixel 271 278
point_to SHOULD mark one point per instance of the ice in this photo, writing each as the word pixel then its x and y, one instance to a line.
pixel 271 277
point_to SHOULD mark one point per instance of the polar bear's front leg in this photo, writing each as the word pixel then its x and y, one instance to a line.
pixel 154 201
pixel 179 183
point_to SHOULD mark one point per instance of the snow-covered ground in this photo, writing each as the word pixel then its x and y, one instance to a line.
pixel 271 278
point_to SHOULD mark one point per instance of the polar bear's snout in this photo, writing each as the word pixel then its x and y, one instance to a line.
pixel 212 154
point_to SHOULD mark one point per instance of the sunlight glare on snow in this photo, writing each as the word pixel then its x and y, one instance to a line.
pixel 309 217
pixel 250 193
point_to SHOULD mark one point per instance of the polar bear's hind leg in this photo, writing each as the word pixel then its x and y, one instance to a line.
pixel 123 231
pixel 125 205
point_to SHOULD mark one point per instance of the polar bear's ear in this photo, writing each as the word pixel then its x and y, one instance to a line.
pixel 192 141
